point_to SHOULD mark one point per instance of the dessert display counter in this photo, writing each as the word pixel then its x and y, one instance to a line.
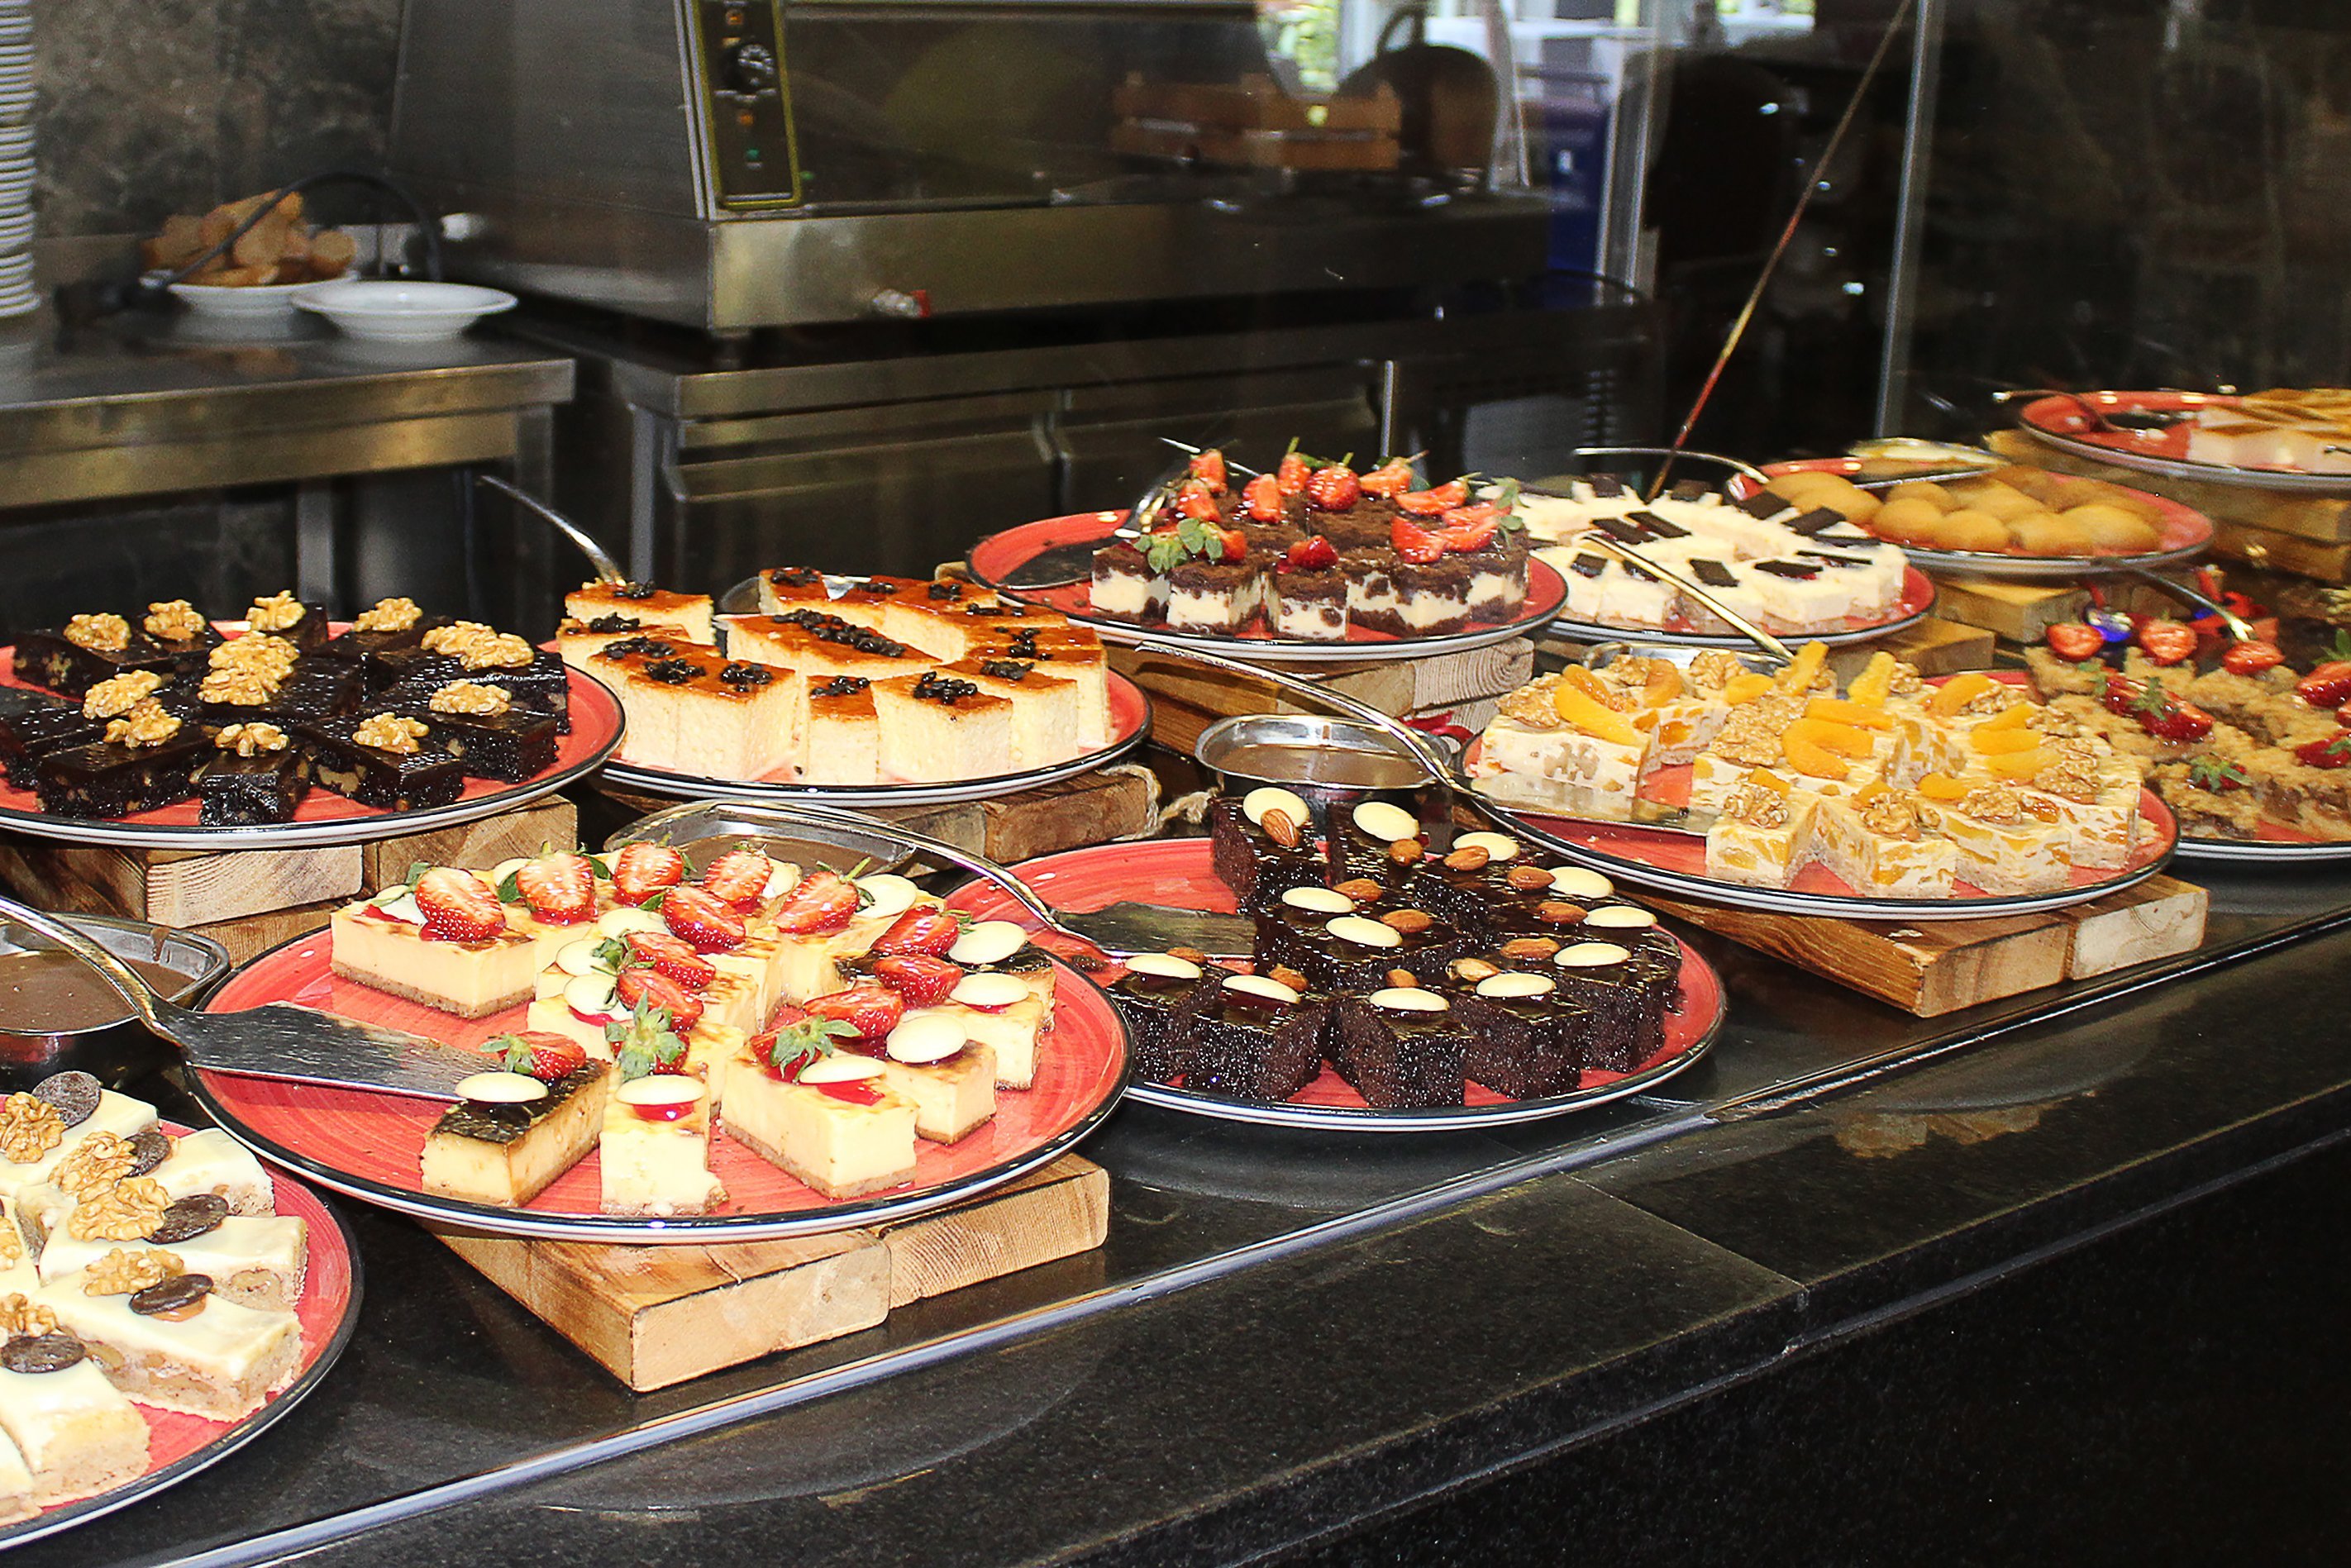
pixel 1829 1166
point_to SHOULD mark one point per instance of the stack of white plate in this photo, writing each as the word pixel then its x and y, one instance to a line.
pixel 17 295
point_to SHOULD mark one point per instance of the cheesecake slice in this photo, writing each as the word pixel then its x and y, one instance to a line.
pixel 177 1342
pixel 828 1117
pixel 844 734
pixel 655 606
pixel 949 1080
pixel 511 1135
pixel 1048 710
pixel 1002 1012
pixel 655 1148
pixel 381 941
pixel 936 728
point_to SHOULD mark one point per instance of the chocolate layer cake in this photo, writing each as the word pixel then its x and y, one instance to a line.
pixel 1154 998
pixel 1254 1039
pixel 1308 605
pixel 1401 1047
pixel 1363 838
pixel 1627 1016
pixel 1431 598
pixel 1217 597
pixel 1125 588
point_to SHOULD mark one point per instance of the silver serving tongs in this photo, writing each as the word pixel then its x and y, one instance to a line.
pixel 607 569
pixel 278 1041
pixel 1737 623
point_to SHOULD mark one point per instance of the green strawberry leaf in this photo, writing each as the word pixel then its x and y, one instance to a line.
pixel 514 1052
pixel 611 954
pixel 509 890
pixel 417 870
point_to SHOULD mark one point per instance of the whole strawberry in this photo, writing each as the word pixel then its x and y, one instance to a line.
pixel 2328 686
pixel 1334 489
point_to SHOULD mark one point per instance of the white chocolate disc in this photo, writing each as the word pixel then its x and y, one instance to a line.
pixel 1408 999
pixel 990 990
pixel 1164 966
pixel 1385 821
pixel 1321 900
pixel 782 880
pixel 660 1089
pixel 578 959
pixel 504 869
pixel 886 895
pixel 841 1066
pixel 1513 985
pixel 1273 798
pixel 401 906
pixel 620 922
pixel 1259 985
pixel 501 1089
pixel 988 941
pixel 1621 917
pixel 1498 846
pixel 1590 956
pixel 925 1036
pixel 1577 883
pixel 591 995
pixel 1364 931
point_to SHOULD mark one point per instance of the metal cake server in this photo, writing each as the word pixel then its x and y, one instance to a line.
pixel 607 569
pixel 279 1041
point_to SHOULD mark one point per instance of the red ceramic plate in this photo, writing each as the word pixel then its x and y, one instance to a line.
pixel 1130 725
pixel 323 816
pixel 2181 534
pixel 999 553
pixel 1675 862
pixel 368 1145
pixel 1177 872
pixel 178 1445
pixel 2076 423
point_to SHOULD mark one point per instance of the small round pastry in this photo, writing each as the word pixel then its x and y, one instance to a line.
pixel 1912 522
pixel 1968 529
pixel 1992 497
pixel 1925 490
pixel 2112 530
pixel 1839 494
pixel 2045 533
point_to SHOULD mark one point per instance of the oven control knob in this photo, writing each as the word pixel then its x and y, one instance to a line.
pixel 750 69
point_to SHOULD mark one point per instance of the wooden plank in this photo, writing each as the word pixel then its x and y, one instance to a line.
pixel 2283 552
pixel 549 824
pixel 2160 918
pixel 1933 647
pixel 1116 802
pixel 1925 968
pixel 249 935
pixel 1186 699
pixel 175 888
pixel 2020 612
pixel 1053 1213
pixel 74 879
pixel 653 1316
pixel 2320 518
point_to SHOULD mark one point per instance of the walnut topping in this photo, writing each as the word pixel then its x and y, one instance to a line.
pixel 258 651
pixel 2073 777
pixel 251 739
pixel 389 732
pixel 478 647
pixel 1751 736
pixel 99 633
pixel 145 724
pixel 1999 699
pixel 30 1128
pixel 388 616
pixel 1283 974
pixel 1525 948
pixel 471 696
pixel 12 1244
pixel 1409 921
pixel 99 1159
pixel 21 1317
pixel 2042 810
pixel 1892 815
pixel 238 687
pixel 1532 705
pixel 1758 807
pixel 174 621
pixel 127 1211
pixel 278 613
pixel 123 1270
pixel 114 697
pixel 1712 670
pixel 1906 682
pixel 1473 858
pixel 1994 803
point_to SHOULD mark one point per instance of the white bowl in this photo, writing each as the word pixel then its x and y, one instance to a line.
pixel 253 301
pixel 390 310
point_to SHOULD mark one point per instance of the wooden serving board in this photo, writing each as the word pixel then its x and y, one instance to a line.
pixel 653 1316
pixel 1939 967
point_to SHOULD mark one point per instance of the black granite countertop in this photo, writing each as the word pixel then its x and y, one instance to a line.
pixel 1355 1348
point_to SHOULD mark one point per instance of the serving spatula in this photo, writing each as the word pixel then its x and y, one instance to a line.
pixel 278 1041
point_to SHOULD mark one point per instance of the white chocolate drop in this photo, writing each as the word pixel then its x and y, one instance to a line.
pixel 578 959
pixel 841 1066
pixel 1621 917
pixel 1590 956
pixel 922 1036
pixel 592 997
pixel 990 990
pixel 660 1089
pixel 501 1089
pixel 1408 999
pixel 1364 932
pixel 620 922
pixel 886 895
pixel 988 941
pixel 1514 985
pixel 1385 821
pixel 1259 985
pixel 1498 846
pixel 1164 966
pixel 1273 798
pixel 1321 900
pixel 1578 883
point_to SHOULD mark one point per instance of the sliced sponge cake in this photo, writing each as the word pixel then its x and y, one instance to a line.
pixel 936 728
pixel 1048 710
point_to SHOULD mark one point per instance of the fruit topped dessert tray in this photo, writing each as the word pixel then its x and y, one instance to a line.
pixel 892 688
pixel 165 730
pixel 2252 755
pixel 1783 567
pixel 1313 557
pixel 758 1050
pixel 162 1299
pixel 1768 787
pixel 2285 438
pixel 1387 986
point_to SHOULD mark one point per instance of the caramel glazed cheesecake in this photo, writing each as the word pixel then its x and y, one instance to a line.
pixel 895 680
pixel 1412 974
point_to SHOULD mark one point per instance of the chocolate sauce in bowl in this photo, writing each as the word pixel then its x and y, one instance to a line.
pixel 53 993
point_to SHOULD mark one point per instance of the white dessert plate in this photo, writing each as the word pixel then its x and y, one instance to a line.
pixel 999 552
pixel 2077 423
pixel 1917 599
pixel 220 301
pixel 393 310
pixel 1176 873
pixel 181 1445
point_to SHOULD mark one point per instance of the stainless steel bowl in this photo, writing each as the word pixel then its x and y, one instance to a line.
pixel 705 829
pixel 111 1052
pixel 1328 761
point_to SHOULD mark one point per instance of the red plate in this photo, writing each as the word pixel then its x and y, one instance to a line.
pixel 179 1445
pixel 368 1145
pixel 1177 872
pixel 1675 862
pixel 2066 422
pixel 999 553
pixel 321 816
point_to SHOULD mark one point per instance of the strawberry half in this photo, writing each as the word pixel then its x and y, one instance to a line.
pixel 923 980
pixel 1192 501
pixel 2329 685
pixel 2073 641
pixel 738 877
pixel 660 950
pixel 2166 642
pixel 1262 499
pixel 1295 469
pixel 2335 752
pixel 549 1058
pixel 1308 555
pixel 459 906
pixel 1393 477
pixel 824 901
pixel 920 930
pixel 1416 543
pixel 1235 543
pixel 700 920
pixel 1334 489
pixel 2251 658
pixel 559 888
pixel 1470 527
pixel 640 871
pixel 872 1011
pixel 640 988
pixel 1208 467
